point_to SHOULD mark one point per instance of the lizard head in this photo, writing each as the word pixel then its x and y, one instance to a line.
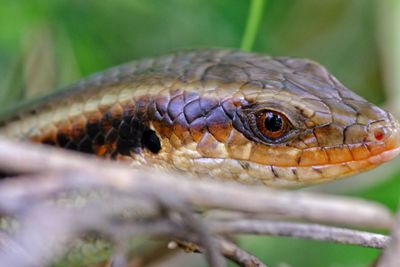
pixel 285 122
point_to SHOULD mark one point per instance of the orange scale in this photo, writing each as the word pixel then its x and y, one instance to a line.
pixel 376 147
pixel 313 156
pixel 339 154
pixel 275 155
pixel 359 151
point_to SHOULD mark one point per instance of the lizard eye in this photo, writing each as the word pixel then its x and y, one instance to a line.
pixel 272 124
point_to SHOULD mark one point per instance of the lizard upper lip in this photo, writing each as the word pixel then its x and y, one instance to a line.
pixel 384 156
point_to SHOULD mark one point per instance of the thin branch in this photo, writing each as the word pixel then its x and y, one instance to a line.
pixel 300 230
pixel 97 218
pixel 157 204
pixel 195 224
pixel 390 256
pixel 238 255
pixel 292 204
pixel 228 249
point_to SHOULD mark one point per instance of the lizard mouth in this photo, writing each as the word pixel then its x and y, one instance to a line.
pixel 347 160
pixel 298 176
pixel 384 156
pixel 380 152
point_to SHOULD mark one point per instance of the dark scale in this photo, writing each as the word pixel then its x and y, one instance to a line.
pixel 99 139
pixel 124 130
pixel 72 145
pixel 62 139
pixel 133 134
pixel 124 146
pixel 119 136
pixel 111 135
pixel 85 145
pixel 92 129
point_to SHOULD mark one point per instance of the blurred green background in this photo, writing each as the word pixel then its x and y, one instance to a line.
pixel 48 44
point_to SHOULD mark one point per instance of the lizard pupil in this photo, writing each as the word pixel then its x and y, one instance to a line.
pixel 273 122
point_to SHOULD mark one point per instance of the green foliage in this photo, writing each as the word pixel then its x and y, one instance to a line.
pixel 253 22
pixel 86 36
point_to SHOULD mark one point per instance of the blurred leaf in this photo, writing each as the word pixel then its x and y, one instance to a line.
pixel 253 22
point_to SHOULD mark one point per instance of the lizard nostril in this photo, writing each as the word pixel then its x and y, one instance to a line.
pixel 380 133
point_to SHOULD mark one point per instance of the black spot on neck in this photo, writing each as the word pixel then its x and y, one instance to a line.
pixel 151 141
pixel 133 134
pixel 124 136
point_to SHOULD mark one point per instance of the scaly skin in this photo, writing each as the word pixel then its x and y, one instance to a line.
pixel 195 111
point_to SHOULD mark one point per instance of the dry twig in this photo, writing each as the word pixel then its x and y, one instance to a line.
pixel 155 204
pixel 300 230
pixel 295 205
pixel 390 256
